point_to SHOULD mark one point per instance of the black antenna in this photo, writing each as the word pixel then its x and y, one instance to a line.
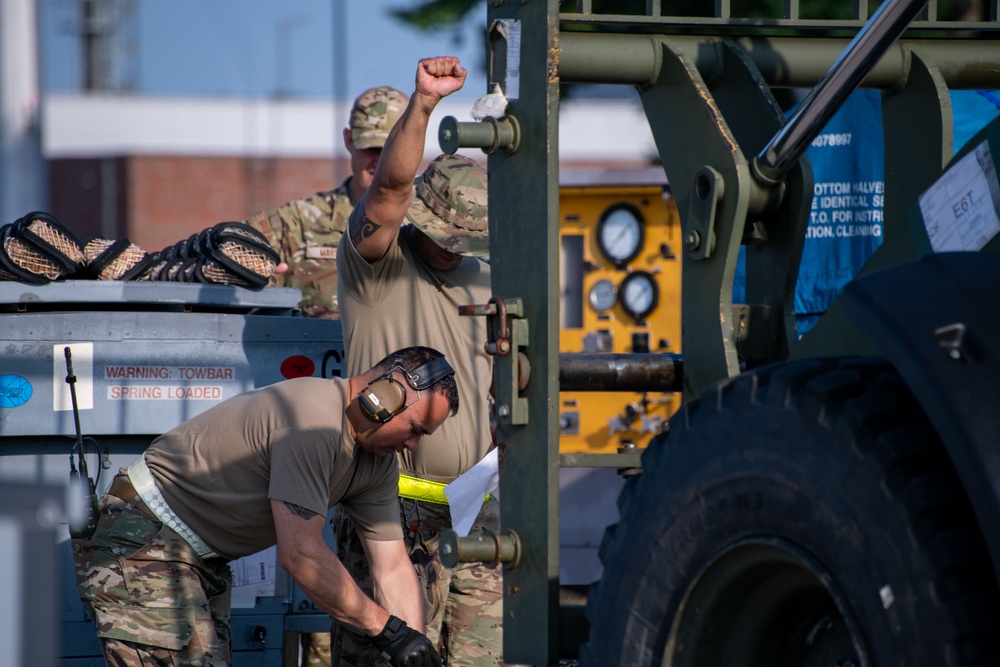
pixel 82 504
pixel 71 381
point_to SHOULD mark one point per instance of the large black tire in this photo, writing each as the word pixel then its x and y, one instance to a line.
pixel 803 514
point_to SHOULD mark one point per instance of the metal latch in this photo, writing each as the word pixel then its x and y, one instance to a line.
pixel 507 338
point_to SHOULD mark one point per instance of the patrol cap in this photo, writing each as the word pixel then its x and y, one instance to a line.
pixel 449 205
pixel 374 113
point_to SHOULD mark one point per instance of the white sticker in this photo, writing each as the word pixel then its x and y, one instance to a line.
pixel 254 576
pixel 82 356
pixel 131 392
pixel 510 29
pixel 960 209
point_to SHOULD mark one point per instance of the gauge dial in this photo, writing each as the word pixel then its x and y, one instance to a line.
pixel 603 295
pixel 639 294
pixel 621 233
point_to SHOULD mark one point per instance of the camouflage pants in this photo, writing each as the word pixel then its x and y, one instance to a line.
pixel 463 607
pixel 154 600
pixel 316 649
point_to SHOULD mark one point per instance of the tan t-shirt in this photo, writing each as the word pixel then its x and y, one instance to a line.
pixel 399 301
pixel 287 441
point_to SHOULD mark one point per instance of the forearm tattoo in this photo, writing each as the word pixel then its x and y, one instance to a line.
pixel 362 229
pixel 298 510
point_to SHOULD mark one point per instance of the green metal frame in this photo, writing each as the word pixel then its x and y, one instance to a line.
pixel 707 97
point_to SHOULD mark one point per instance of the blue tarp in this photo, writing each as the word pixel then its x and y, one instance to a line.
pixel 845 225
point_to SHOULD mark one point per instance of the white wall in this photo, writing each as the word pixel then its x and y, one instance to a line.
pixel 103 125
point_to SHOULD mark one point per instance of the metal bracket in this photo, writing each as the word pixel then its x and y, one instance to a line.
pixel 485 547
pixel 507 337
pixel 699 239
pixel 488 134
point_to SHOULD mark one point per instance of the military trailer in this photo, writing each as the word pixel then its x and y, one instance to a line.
pixel 829 500
pixel 144 357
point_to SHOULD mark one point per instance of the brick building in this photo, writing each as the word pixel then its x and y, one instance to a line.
pixel 159 169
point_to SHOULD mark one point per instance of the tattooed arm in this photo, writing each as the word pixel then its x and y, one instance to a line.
pixel 304 554
pixel 388 197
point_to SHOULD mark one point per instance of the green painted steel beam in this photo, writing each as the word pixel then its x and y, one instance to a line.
pixel 784 62
pixel 631 460
pixel 729 25
pixel 710 109
pixel 785 149
pixel 791 18
pixel 524 242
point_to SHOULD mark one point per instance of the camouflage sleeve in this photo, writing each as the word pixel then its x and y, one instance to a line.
pixel 274 226
pixel 305 233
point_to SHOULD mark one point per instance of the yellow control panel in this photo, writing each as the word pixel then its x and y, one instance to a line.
pixel 620 263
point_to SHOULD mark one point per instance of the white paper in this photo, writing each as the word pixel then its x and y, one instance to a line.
pixel 244 597
pixel 253 577
pixel 960 209
pixel 493 105
pixel 465 495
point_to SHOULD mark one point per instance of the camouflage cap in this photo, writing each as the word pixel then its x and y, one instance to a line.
pixel 449 205
pixel 374 113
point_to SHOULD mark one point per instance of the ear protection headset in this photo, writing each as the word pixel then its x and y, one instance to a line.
pixel 384 397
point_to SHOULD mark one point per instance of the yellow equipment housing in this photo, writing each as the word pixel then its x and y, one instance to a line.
pixel 620 262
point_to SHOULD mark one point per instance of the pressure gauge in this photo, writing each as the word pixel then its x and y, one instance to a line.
pixel 603 295
pixel 639 294
pixel 621 233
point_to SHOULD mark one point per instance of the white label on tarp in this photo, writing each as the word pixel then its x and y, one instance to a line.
pixel 82 355
pixel 960 209
pixel 846 209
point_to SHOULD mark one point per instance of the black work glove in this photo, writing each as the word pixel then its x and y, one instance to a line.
pixel 403 646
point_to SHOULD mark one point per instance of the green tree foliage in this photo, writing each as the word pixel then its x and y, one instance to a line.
pixel 433 15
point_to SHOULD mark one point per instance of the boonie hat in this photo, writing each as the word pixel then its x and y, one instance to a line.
pixel 449 205
pixel 374 113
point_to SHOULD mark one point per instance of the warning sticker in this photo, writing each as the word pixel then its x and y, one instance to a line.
pixel 117 392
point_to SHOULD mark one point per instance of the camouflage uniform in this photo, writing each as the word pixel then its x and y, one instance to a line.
pixel 179 604
pixel 463 606
pixel 305 232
